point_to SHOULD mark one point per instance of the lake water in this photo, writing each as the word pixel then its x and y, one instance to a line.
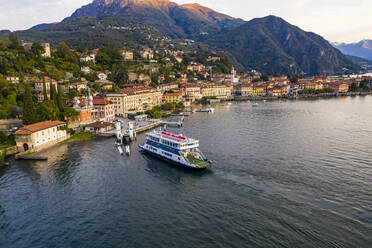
pixel 286 174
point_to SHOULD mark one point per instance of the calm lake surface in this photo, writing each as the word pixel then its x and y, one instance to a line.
pixel 286 174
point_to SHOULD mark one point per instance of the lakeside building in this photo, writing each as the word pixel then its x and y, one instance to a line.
pixel 104 109
pixel 259 89
pixel 191 92
pixel 339 87
pixel 135 99
pixel 222 91
pixel 279 90
pixel 171 97
pixel 84 106
pixel 40 135
pixel 244 89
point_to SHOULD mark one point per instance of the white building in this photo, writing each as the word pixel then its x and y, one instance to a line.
pixel 40 135
pixel 102 76
pixel 86 69
pixel 88 58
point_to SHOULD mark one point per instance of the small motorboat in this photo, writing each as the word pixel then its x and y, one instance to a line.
pixel 255 105
pixel 120 150
pixel 127 150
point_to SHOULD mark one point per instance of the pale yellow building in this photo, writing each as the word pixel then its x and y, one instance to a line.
pixel 136 99
pixel 172 97
pixel 127 55
pixel 219 91
pixel 191 92
pixel 244 89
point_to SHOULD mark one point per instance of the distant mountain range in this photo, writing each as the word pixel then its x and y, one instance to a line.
pixel 267 44
pixel 362 49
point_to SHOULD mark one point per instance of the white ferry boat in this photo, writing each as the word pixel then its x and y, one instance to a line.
pixel 176 149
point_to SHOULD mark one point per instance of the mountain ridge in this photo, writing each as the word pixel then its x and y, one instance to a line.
pixel 172 19
pixel 273 45
pixel 362 49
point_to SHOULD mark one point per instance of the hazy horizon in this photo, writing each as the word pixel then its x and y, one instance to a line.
pixel 337 21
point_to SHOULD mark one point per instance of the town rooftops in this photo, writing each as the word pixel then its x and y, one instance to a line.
pixel 101 101
pixel 173 94
pixel 135 90
pixel 29 129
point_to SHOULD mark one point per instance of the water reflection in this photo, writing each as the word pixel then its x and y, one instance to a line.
pixel 176 174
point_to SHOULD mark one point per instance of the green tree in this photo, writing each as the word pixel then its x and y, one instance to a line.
pixel 69 113
pixel 63 51
pixel 49 111
pixel 29 109
pixel 103 59
pixel 3 138
pixel 60 104
pixel 14 42
pixel 120 75
pixel 53 92
pixel 37 49
pixel 45 94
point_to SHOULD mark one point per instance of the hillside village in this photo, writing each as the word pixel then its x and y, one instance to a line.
pixel 55 91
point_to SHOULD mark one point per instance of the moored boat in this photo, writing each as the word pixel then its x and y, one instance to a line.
pixel 176 149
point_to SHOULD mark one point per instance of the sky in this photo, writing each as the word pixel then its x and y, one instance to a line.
pixel 336 20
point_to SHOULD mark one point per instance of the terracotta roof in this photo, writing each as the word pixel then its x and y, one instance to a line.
pixel 135 90
pixel 173 94
pixel 101 101
pixel 29 129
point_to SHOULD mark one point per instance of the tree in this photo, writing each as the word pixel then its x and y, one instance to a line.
pixel 14 42
pixel 63 51
pixel 353 87
pixel 49 111
pixel 120 75
pixel 60 104
pixel 37 49
pixel 53 92
pixel 69 113
pixel 45 91
pixel 29 109
pixel 3 138
pixel 103 59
